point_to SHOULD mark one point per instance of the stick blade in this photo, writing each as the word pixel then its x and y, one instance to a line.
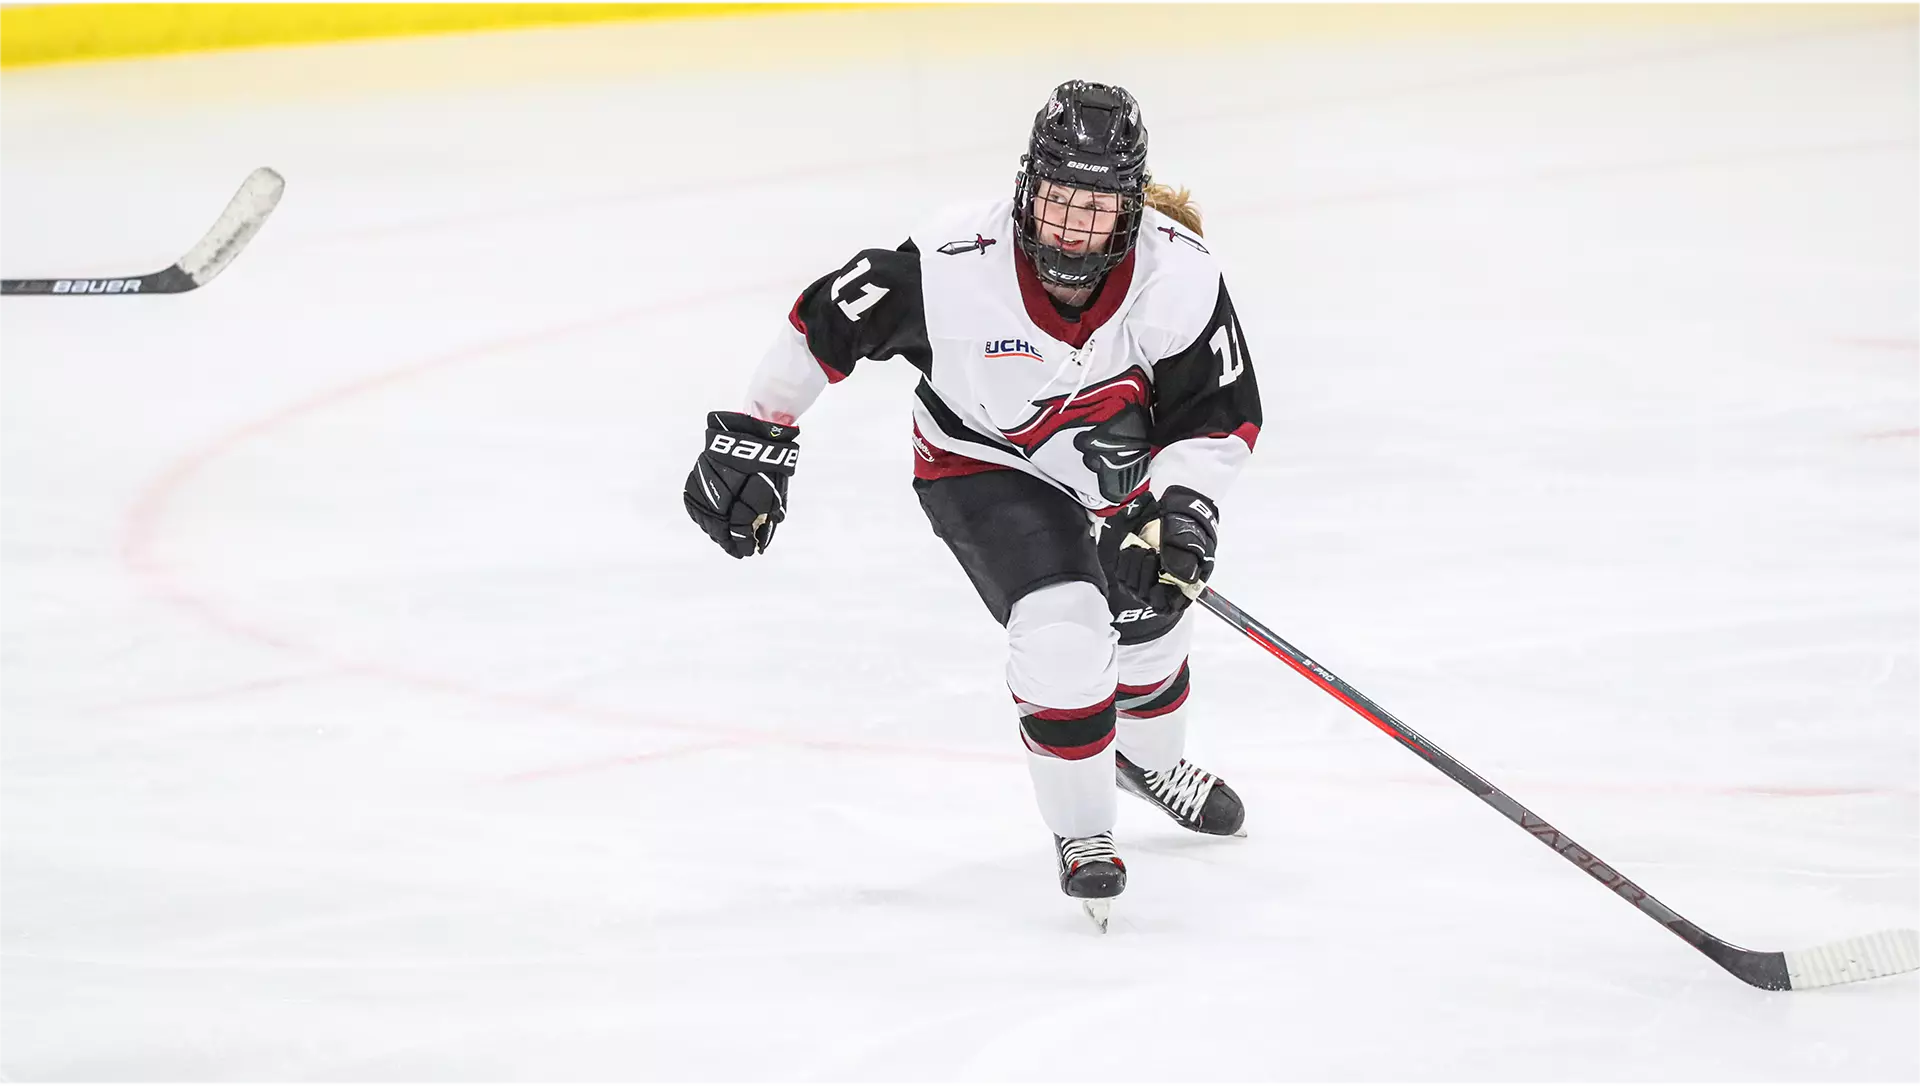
pixel 259 194
pixel 1882 954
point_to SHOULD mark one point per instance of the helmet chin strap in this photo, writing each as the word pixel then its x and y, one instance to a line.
pixel 1081 293
pixel 1047 257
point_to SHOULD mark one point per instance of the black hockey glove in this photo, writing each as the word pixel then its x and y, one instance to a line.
pixel 1173 537
pixel 737 490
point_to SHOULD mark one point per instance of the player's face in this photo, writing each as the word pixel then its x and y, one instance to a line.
pixel 1075 220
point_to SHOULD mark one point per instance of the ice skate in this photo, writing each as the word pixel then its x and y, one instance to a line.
pixel 1190 795
pixel 1091 872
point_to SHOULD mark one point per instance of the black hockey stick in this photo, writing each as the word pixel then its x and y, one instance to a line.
pixel 1863 958
pixel 243 217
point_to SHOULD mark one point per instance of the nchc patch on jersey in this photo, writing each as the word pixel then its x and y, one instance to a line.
pixel 1149 386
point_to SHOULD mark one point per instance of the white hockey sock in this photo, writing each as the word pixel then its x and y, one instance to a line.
pixel 1154 743
pixel 1077 796
pixel 1152 729
pixel 1061 669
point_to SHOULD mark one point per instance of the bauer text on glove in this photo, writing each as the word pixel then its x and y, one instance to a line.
pixel 737 490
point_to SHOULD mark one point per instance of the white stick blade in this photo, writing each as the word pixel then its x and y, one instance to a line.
pixel 1881 954
pixel 243 217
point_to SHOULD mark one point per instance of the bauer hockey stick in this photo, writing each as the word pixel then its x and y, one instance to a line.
pixel 1863 958
pixel 243 217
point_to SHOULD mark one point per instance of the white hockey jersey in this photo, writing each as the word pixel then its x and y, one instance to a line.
pixel 1149 387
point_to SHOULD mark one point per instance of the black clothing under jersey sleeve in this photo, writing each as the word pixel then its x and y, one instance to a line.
pixel 1207 390
pixel 870 308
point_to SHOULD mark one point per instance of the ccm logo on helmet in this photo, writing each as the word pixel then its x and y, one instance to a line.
pixel 1090 168
pixel 756 452
pixel 96 286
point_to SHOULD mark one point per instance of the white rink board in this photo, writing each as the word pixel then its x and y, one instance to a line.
pixel 373 712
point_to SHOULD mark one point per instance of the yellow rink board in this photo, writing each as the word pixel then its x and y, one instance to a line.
pixel 96 29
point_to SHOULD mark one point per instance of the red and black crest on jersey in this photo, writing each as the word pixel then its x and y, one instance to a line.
pixel 979 243
pixel 1113 418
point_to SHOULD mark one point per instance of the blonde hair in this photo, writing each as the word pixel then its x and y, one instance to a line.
pixel 1175 204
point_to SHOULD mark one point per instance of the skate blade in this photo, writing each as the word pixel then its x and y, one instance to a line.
pixel 1099 910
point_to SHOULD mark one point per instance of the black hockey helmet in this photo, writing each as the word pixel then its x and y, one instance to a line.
pixel 1089 136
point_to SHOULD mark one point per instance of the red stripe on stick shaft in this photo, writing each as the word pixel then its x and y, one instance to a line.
pixel 1767 970
pixel 1318 680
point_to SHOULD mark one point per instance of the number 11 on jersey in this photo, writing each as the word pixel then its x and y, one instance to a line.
pixel 869 293
pixel 1227 346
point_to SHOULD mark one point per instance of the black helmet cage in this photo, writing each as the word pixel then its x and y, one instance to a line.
pixel 1088 136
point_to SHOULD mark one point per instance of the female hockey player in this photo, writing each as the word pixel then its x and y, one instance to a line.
pixel 1080 363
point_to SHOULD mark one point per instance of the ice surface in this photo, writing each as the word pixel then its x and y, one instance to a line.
pixel 373 712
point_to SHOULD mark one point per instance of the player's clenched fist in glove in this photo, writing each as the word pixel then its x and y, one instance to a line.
pixel 1174 536
pixel 737 491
